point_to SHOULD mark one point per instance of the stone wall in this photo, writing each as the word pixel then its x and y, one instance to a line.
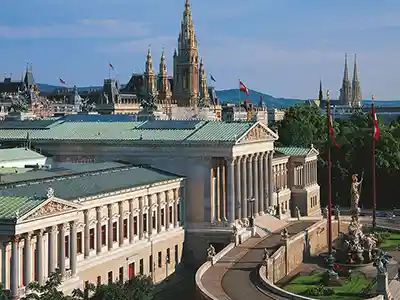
pixel 301 246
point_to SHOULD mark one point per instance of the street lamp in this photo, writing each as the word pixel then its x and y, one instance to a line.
pixel 251 201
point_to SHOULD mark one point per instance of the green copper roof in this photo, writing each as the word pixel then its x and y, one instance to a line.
pixel 15 154
pixel 293 151
pixel 72 187
pixel 13 207
pixel 163 131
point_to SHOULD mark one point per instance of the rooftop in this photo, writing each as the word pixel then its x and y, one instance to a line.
pixel 14 154
pixel 123 128
pixel 82 185
pixel 13 207
pixel 296 151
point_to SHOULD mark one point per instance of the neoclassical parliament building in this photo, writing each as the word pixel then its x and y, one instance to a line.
pixel 182 185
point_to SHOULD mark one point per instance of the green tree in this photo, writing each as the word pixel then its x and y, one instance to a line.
pixel 305 125
pixel 4 294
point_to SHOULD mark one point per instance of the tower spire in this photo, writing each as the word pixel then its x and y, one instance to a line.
pixel 345 91
pixel 356 86
pixel 321 94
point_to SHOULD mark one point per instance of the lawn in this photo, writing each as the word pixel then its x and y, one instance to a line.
pixel 350 290
pixel 391 242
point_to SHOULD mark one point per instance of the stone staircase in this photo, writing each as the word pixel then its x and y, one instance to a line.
pixel 268 223
pixel 394 288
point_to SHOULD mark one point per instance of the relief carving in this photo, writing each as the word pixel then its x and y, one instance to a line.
pixel 257 133
pixel 50 208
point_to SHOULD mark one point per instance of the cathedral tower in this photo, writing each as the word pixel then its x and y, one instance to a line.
pixel 356 88
pixel 186 70
pixel 150 76
pixel 204 95
pixel 164 87
pixel 345 91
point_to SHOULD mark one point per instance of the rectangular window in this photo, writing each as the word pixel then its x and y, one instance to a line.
pixel 115 232
pixel 91 243
pixel 110 277
pixel 79 242
pixel 66 245
pixel 179 212
pixel 153 220
pixel 131 270
pixel 121 275
pixel 170 214
pixel 159 259
pixel 125 229
pixel 168 258
pixel 150 263
pixel 141 267
pixel 144 223
pixel 135 225
pixel 162 217
pixel 103 235
pixel 98 280
pixel 176 255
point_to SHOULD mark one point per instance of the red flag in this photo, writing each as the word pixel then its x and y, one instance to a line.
pixel 377 130
pixel 331 129
pixel 62 81
pixel 243 88
pixel 111 65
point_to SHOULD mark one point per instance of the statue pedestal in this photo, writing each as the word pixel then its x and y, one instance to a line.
pixel 382 285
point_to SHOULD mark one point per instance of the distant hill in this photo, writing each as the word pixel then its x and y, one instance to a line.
pixel 225 96
pixel 232 96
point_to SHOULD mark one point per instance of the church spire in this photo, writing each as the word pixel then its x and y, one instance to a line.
pixel 149 62
pixel 356 86
pixel 163 64
pixel 321 94
pixel 345 91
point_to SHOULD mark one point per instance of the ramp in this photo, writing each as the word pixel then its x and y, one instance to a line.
pixel 269 223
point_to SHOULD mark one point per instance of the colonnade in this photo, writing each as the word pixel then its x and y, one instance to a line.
pixel 154 216
pixel 238 180
pixel 306 174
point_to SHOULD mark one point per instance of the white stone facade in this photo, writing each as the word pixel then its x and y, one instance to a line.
pixel 95 239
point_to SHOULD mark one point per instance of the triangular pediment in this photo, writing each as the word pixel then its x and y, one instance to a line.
pixel 258 132
pixel 50 207
pixel 313 151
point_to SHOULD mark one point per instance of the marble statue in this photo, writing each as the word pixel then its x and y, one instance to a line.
pixel 210 252
pixel 266 254
pixel 298 213
pixel 355 192
pixel 325 212
pixel 381 262
pixel 235 230
pixel 284 234
pixel 49 193
pixel 337 212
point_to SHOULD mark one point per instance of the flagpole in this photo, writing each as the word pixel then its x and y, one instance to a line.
pixel 373 171
pixel 328 111
pixel 109 70
pixel 332 275
pixel 239 93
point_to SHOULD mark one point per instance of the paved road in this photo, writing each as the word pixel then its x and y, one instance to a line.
pixel 241 280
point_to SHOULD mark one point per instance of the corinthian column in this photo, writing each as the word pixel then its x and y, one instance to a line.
pixel 230 167
pixel 238 194
pixel 14 284
pixel 121 223
pixel 61 250
pixel 27 258
pixel 270 180
pixel 265 180
pixel 86 238
pixel 131 217
pixel 110 227
pixel 255 184
pixel 98 230
pixel 39 257
pixel 158 212
pixel 250 176
pixel 72 247
pixel 261 179
pixel 243 183
pixel 51 252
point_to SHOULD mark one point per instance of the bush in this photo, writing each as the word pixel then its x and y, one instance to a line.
pixel 381 235
pixel 320 291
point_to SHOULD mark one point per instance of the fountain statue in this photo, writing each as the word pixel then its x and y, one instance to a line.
pixel 357 246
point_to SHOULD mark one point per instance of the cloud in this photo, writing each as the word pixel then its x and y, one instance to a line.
pixel 142 44
pixel 86 28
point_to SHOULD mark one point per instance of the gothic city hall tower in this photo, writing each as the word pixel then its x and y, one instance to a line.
pixel 186 63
